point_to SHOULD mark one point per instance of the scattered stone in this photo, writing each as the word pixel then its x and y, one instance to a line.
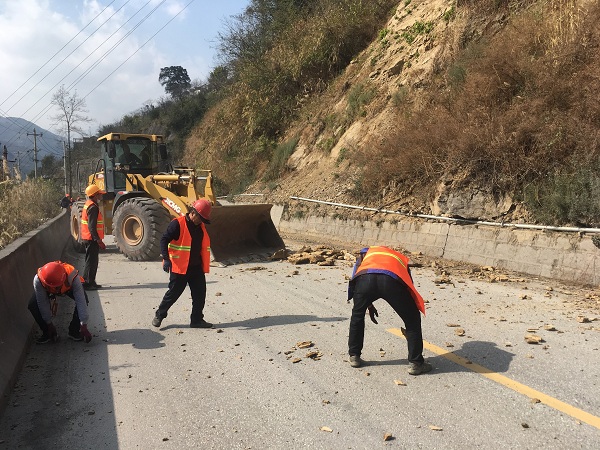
pixel 452 325
pixel 304 344
pixel 435 428
pixel 315 354
pixel 296 360
pixel 399 383
pixel 327 429
pixel 388 437
pixel 549 327
pixel 583 319
pixel 524 425
pixel 533 339
pixel 459 331
pixel 280 254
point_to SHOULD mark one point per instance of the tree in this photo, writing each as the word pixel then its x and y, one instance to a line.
pixel 175 80
pixel 71 109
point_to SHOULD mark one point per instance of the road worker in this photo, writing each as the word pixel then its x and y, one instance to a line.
pixel 381 272
pixel 58 279
pixel 185 248
pixel 92 235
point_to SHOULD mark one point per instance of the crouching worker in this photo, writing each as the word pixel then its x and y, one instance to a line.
pixel 381 272
pixel 54 279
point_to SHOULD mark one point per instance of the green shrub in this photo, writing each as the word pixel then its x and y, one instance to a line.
pixel 279 158
pixel 359 96
pixel 572 198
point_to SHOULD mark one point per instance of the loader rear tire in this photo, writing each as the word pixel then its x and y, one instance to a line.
pixel 138 225
pixel 76 209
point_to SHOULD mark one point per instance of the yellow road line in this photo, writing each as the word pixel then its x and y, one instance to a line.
pixel 514 385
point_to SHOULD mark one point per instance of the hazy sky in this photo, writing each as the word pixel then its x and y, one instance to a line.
pixel 114 65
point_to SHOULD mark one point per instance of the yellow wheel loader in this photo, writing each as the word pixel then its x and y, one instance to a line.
pixel 144 193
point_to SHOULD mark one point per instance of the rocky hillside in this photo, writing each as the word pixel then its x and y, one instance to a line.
pixel 454 109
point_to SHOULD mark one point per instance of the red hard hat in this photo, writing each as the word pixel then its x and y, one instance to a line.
pixel 203 207
pixel 52 275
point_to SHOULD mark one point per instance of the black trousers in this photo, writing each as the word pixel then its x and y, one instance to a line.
pixel 196 279
pixel 37 315
pixel 372 286
pixel 91 261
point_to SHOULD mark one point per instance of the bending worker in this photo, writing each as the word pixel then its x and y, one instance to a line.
pixel 54 279
pixel 92 233
pixel 381 272
pixel 185 249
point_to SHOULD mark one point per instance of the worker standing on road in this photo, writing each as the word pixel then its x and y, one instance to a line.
pixel 381 272
pixel 185 249
pixel 53 279
pixel 92 233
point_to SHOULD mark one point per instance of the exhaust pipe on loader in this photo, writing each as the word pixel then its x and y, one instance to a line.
pixel 241 232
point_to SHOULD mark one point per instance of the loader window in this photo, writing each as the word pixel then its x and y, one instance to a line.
pixel 135 153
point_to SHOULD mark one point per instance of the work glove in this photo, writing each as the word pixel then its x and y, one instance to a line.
pixel 167 265
pixel 87 336
pixel 373 313
pixel 101 244
pixel 52 332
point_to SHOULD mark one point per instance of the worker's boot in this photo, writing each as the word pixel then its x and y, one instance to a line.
pixel 202 324
pixel 419 368
pixel 355 361
pixel 157 321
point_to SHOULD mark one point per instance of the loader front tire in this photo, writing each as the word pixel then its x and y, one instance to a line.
pixel 76 210
pixel 138 225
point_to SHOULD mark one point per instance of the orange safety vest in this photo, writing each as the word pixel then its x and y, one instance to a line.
pixel 179 250
pixel 389 262
pixel 71 274
pixel 85 230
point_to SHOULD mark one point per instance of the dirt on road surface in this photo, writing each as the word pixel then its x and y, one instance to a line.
pixel 515 364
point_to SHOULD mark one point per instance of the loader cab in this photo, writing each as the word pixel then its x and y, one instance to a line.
pixel 131 153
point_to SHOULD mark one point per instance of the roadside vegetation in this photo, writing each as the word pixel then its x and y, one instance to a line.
pixel 516 110
pixel 24 206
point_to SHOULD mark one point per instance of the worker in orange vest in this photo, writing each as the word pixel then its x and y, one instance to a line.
pixel 92 235
pixel 185 248
pixel 58 279
pixel 381 272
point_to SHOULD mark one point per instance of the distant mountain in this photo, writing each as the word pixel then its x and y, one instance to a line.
pixel 17 135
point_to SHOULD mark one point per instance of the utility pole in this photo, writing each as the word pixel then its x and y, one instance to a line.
pixel 5 168
pixel 35 160
pixel 65 166
pixel 18 168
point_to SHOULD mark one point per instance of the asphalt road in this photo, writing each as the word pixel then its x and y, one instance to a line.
pixel 247 384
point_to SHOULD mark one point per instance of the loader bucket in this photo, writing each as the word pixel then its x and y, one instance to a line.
pixel 240 233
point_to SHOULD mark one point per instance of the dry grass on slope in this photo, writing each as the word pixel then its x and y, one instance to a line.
pixel 511 109
pixel 25 206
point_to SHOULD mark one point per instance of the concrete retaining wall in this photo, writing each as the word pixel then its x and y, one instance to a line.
pixel 569 257
pixel 19 262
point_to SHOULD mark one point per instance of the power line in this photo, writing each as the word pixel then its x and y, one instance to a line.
pixel 139 48
pixel 61 49
pixel 98 60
